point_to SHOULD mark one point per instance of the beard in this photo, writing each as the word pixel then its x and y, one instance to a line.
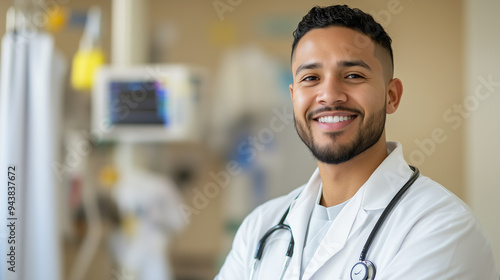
pixel 367 135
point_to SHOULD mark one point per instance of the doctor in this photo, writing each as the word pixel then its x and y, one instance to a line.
pixel 342 89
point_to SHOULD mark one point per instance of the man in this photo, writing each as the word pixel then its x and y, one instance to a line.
pixel 342 89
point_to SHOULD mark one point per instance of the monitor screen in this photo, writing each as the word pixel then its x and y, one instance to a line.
pixel 142 102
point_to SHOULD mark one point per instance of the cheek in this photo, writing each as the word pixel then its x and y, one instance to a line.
pixel 370 100
pixel 302 101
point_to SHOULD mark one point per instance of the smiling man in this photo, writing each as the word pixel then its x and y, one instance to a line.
pixel 364 213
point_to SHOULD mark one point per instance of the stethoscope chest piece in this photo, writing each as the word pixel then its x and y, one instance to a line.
pixel 363 270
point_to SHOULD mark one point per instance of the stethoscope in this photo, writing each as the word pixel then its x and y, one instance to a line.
pixel 363 269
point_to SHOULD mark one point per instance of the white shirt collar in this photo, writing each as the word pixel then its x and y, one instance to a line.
pixel 379 189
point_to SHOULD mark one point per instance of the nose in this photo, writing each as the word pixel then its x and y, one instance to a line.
pixel 331 92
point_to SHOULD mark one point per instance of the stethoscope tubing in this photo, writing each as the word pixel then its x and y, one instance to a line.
pixel 386 213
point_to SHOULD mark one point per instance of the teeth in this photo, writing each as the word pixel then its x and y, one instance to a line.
pixel 335 119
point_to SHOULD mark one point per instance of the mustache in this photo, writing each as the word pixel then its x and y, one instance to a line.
pixel 332 109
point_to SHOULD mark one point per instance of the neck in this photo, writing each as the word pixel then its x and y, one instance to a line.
pixel 342 181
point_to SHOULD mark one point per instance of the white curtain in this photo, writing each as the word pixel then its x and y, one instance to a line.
pixel 31 80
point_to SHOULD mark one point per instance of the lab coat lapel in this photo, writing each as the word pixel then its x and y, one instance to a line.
pixel 298 219
pixel 348 220
pixel 375 194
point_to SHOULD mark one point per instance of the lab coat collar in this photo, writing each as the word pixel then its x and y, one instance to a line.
pixel 298 219
pixel 386 180
pixel 308 193
pixel 375 194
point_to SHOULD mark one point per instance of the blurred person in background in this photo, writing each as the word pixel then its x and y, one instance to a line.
pixel 148 207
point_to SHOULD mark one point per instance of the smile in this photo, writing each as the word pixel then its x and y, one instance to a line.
pixel 334 119
pixel 334 122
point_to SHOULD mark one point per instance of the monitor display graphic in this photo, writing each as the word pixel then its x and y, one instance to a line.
pixel 141 102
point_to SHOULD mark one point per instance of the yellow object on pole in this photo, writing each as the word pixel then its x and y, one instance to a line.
pixel 89 55
pixel 85 63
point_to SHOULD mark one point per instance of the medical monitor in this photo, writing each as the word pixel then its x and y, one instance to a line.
pixel 150 103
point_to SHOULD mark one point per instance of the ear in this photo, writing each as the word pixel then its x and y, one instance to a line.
pixel 291 90
pixel 394 93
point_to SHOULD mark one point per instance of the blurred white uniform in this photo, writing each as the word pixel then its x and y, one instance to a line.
pixel 151 201
pixel 430 234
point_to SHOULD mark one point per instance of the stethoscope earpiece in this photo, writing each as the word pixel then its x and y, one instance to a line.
pixel 363 270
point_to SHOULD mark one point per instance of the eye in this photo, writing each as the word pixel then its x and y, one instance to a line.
pixel 354 76
pixel 310 78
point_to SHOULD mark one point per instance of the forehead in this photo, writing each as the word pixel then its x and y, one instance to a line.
pixel 334 43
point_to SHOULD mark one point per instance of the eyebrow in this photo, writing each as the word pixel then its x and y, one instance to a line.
pixel 352 63
pixel 312 65
pixel 344 64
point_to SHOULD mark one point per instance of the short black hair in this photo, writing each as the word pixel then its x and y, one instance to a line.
pixel 344 16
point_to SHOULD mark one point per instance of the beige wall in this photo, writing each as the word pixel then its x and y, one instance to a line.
pixel 482 45
pixel 427 39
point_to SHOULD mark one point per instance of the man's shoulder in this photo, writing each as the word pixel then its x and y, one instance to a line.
pixel 430 207
pixel 436 227
pixel 428 192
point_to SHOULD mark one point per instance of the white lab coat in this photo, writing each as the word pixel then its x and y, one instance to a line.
pixel 431 234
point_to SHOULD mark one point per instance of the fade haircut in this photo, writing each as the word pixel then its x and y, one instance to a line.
pixel 343 16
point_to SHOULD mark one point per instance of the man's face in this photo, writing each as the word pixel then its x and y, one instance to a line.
pixel 339 93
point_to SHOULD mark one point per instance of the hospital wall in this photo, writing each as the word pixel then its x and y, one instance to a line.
pixel 482 60
pixel 442 50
